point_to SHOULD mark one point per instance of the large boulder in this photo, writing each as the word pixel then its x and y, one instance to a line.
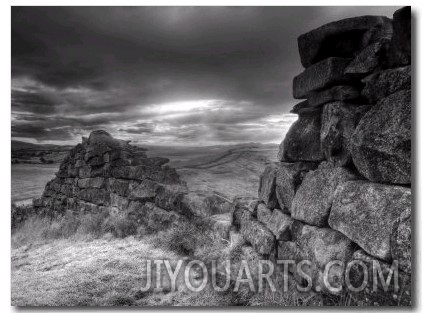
pixel 314 198
pixel 384 83
pixel 400 240
pixel 365 212
pixel 400 48
pixel 336 93
pixel 343 38
pixel 302 141
pixel 325 73
pixel 289 176
pixel 381 143
pixel 319 246
pixel 101 137
pixel 338 122
pixel 367 273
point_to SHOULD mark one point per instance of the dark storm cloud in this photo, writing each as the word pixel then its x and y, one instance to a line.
pixel 75 69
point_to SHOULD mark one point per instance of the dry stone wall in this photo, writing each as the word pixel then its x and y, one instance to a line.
pixel 342 187
pixel 107 174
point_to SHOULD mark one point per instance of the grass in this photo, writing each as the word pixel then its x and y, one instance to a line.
pixel 100 260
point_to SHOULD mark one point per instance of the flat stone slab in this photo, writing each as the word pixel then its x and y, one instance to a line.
pixel 332 94
pixel 326 73
pixel 343 38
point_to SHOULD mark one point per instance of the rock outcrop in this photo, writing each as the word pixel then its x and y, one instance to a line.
pixel 341 189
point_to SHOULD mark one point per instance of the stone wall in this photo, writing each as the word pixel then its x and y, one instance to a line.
pixel 104 173
pixel 342 187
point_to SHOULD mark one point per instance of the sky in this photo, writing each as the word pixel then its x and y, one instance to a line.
pixel 160 75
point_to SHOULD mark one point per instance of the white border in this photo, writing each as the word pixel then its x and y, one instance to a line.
pixel 5 188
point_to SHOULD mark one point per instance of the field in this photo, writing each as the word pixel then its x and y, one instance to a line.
pixel 28 180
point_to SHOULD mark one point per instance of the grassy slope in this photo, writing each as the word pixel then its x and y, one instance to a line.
pixel 107 272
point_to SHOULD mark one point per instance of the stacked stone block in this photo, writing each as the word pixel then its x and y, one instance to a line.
pixel 341 189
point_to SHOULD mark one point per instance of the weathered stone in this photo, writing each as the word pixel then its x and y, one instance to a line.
pixel 79 163
pixel 366 270
pixel 67 190
pixel 96 161
pixel 336 93
pixel 400 47
pixel 338 122
pixel 97 150
pixel 258 236
pixel 73 171
pixel 365 212
pixel 313 199
pixel 287 250
pixel 326 73
pixel 84 172
pixel 121 172
pixel 384 83
pixel 381 143
pixel 118 186
pixel 321 246
pixel 118 201
pixel 143 191
pixel 95 182
pixel 302 141
pixel 101 137
pixel 87 207
pixel 288 178
pixel 94 195
pixel 343 38
pixel 263 213
pixel 400 240
pixel 266 191
pixel 280 225
pixel 163 174
pixel 370 59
